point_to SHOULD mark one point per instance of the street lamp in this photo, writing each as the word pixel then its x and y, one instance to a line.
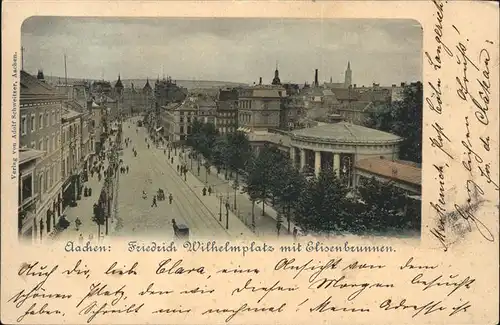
pixel 227 214
pixel 220 208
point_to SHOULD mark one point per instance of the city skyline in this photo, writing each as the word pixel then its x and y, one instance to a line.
pixel 222 49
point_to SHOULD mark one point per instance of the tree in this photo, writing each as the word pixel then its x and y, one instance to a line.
pixel 323 205
pixel 251 187
pixel 194 137
pixel 219 152
pixel 384 204
pixel 289 190
pixel 403 118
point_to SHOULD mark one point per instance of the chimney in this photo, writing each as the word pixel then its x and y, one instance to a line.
pixel 354 85
pixel 316 78
pixel 393 85
pixel 260 81
pixel 403 84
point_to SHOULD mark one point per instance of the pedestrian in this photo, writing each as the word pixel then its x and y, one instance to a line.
pixel 154 201
pixel 80 239
pixel 127 169
pixel 170 198
pixel 204 191
pixel 198 170
pixel 172 160
pixel 177 168
pixel 144 195
pixel 148 145
pixel 78 223
pixel 295 233
pixel 209 190
pixel 164 151
pixel 99 177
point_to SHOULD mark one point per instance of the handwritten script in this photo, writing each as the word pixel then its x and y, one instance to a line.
pixel 460 87
pixel 274 289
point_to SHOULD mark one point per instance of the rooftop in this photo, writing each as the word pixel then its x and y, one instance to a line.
pixel 345 132
pixel 393 169
pixel 32 87
pixel 69 114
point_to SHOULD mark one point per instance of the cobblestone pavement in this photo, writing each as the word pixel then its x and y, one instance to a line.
pixel 148 172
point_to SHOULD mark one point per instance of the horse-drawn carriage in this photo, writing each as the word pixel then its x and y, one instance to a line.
pixel 181 231
pixel 160 194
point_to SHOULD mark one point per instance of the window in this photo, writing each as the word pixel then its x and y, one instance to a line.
pixel 24 126
pixel 45 181
pixel 32 126
pixel 182 129
pixel 182 119
pixel 27 187
pixel 189 120
pixel 46 119
pixel 51 175
pixel 40 145
pixel 47 145
pixel 40 183
pixel 40 121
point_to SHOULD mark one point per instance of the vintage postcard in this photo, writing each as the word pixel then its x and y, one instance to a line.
pixel 226 162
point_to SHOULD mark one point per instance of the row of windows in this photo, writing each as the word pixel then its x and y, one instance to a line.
pixel 49 144
pixel 245 104
pixel 227 114
pixel 29 122
pixel 48 178
pixel 244 118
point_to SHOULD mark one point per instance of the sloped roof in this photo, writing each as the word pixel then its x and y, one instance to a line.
pixel 391 169
pixel 359 106
pixel 32 87
pixel 345 132
pixel 346 93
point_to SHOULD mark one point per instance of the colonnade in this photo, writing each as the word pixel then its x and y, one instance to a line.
pixel 317 160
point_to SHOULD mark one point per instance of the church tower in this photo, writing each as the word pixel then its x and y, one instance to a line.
pixel 119 86
pixel 348 75
pixel 276 80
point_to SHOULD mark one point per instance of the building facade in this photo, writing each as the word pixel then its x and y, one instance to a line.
pixel 260 106
pixel 226 115
pixel 71 164
pixel 40 130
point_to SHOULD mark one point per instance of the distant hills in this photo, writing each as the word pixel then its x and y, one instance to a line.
pixel 139 83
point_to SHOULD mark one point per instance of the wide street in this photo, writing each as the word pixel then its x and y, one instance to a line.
pixel 148 172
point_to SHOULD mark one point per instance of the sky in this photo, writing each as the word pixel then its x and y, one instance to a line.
pixel 224 49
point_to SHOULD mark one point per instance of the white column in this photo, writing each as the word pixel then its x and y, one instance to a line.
pixel 292 155
pixel 317 162
pixel 336 164
pixel 302 159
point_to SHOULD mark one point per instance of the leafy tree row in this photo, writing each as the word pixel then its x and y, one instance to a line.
pixel 318 204
pixel 403 118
